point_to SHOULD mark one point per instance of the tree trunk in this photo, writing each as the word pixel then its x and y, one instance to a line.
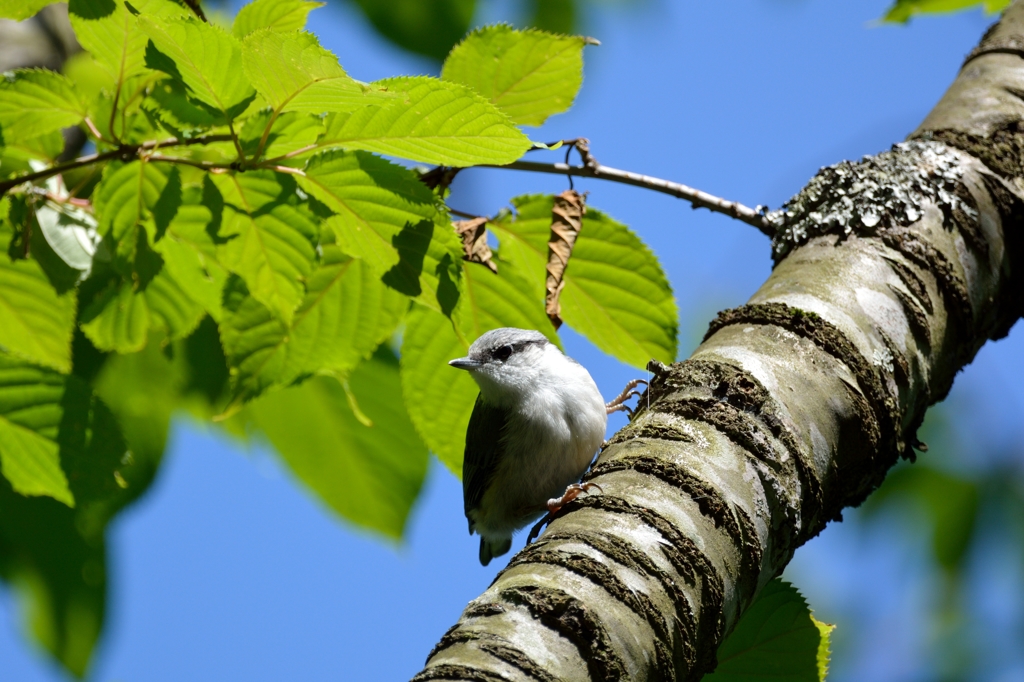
pixel 890 275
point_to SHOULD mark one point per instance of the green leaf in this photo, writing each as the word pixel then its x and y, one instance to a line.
pixel 427 27
pixel 288 132
pixel 21 9
pixel 35 102
pixel 37 321
pixel 110 32
pixel 902 10
pixel 776 638
pixel 293 72
pixel 279 15
pixel 387 217
pixel 346 314
pixel 529 75
pixel 135 202
pixel 369 465
pixel 70 232
pixel 268 239
pixel 189 252
pixel 30 415
pixel 615 294
pixel 117 320
pixel 441 401
pixel 16 155
pixel 204 57
pixel 432 121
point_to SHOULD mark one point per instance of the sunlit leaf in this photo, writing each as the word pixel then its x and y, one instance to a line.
pixel 387 217
pixel 37 321
pixel 432 121
pixel 529 75
pixel 204 57
pixel 615 294
pixel 267 239
pixel 110 32
pixel 367 466
pixel 440 399
pixel 280 15
pixel 189 252
pixel 903 10
pixel 293 72
pixel 135 202
pixel 347 312
pixel 35 102
pixel 21 9
pixel 289 132
pixel 777 638
pixel 30 416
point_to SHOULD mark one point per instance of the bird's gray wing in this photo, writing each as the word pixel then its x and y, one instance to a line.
pixel 483 451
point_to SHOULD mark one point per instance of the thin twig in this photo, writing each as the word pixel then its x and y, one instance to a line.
pixel 124 152
pixel 205 165
pixel 699 199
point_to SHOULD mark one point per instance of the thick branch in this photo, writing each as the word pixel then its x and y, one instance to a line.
pixel 890 274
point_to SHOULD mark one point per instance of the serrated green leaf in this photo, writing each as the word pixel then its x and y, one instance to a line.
pixel 134 203
pixel 117 320
pixel 121 318
pixel 347 312
pixel 35 102
pixel 111 33
pixel 824 647
pixel 440 402
pixel 370 473
pixel 30 415
pixel 190 253
pixel 16 155
pixel 168 102
pixel 903 10
pixel 776 638
pixel 427 27
pixel 615 294
pixel 529 75
pixel 288 132
pixel 432 121
pixel 37 321
pixel 21 9
pixel 204 57
pixel 267 238
pixel 279 15
pixel 387 217
pixel 291 71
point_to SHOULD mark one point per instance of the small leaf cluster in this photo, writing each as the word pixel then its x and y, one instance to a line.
pixel 241 244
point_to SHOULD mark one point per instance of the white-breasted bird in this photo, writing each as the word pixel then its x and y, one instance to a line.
pixel 536 425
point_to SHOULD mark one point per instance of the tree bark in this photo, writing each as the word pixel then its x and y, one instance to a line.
pixel 890 274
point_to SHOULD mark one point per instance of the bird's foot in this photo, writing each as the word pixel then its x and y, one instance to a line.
pixel 571 493
pixel 555 504
pixel 619 404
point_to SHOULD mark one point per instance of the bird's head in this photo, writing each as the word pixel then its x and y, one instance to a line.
pixel 506 361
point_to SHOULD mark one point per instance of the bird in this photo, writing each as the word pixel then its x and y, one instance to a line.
pixel 536 425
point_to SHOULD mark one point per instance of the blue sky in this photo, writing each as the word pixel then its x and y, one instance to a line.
pixel 228 570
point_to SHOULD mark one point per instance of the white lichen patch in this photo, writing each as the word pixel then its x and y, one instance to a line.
pixel 886 190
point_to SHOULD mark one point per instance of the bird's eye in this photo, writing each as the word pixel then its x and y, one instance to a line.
pixel 503 353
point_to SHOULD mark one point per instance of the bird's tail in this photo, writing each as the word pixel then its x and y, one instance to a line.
pixel 492 547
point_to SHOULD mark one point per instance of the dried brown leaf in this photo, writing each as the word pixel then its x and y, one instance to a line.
pixel 566 223
pixel 474 241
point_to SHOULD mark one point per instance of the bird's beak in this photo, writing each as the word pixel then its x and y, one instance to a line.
pixel 465 363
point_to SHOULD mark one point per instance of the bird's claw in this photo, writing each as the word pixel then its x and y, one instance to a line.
pixel 619 403
pixel 571 493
